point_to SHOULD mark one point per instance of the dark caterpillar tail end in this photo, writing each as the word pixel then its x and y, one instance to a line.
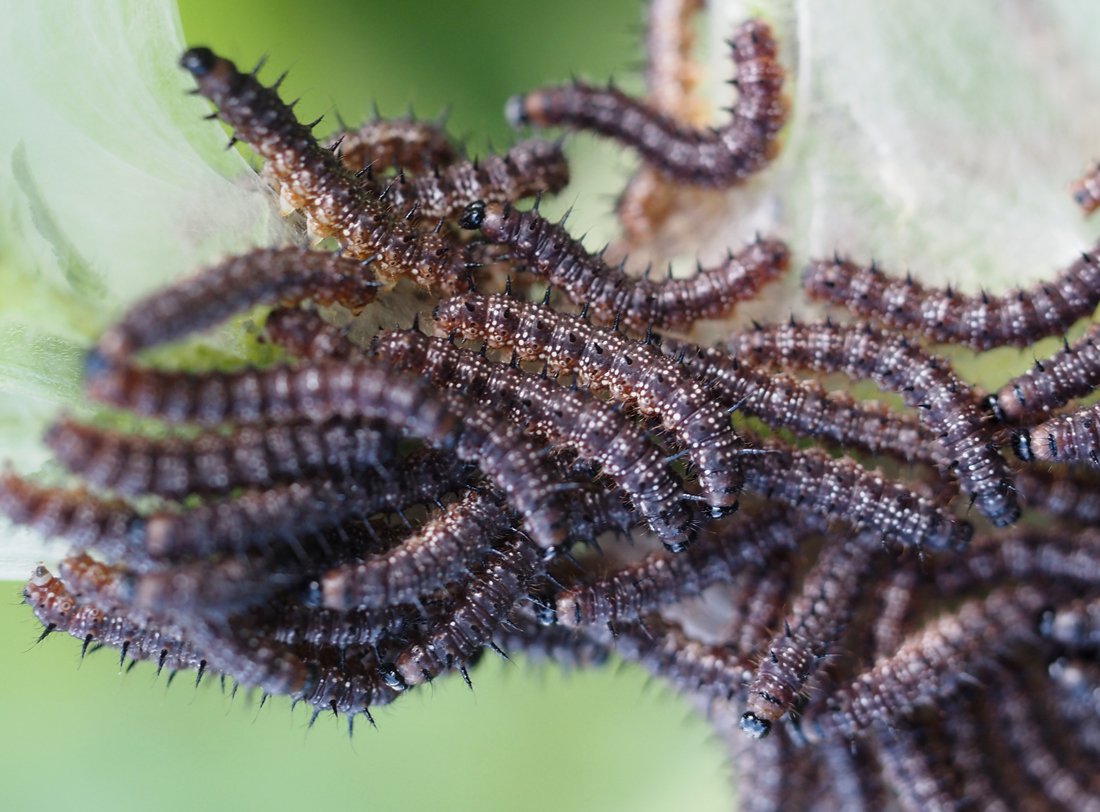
pixel 1021 444
pixel 515 112
pixel 198 61
pixel 755 727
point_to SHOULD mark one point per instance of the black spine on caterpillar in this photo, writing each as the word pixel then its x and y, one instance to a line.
pixel 980 322
pixel 528 168
pixel 609 293
pixel 479 610
pixel 946 404
pixel 261 276
pixel 1072 438
pixel 806 408
pixel 570 417
pixel 633 372
pixel 660 579
pixel 475 432
pixel 841 489
pixel 817 620
pixel 295 624
pixel 214 462
pixel 111 527
pixel 1072 372
pixel 934 663
pixel 456 538
pixel 313 178
pixel 58 610
pixel 714 157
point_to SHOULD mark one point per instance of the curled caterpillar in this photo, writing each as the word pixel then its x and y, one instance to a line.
pixel 713 157
pixel 1072 372
pixel 608 293
pixel 271 276
pixel 632 371
pixel 980 322
pixel 312 178
pixel 568 417
pixel 946 404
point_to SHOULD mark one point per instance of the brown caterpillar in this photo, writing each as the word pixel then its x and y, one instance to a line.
pixel 712 156
pixel 565 648
pixel 897 601
pixel 980 322
pixel 484 602
pixel 312 178
pixel 660 579
pixel 933 664
pixel 214 462
pixel 528 168
pixel 917 762
pixel 259 517
pixel 456 538
pixel 1072 438
pixel 841 489
pixel 111 527
pixel 632 371
pixel 407 144
pixel 58 610
pixel 261 276
pixel 567 417
pixel 307 336
pixel 813 626
pixel 608 293
pixel 975 760
pixel 1068 494
pixel 1072 372
pixel 946 404
pixel 475 432
pixel 806 408
pixel 855 776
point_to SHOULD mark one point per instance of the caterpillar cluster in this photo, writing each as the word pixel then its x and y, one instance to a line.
pixel 378 507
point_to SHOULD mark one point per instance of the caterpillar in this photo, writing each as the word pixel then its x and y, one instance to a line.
pixel 1072 438
pixel 1075 625
pixel 916 761
pixel 897 603
pixel 307 336
pixel 945 403
pixel 632 371
pixel 481 607
pixel 1086 190
pixel 312 178
pixel 626 594
pixel 475 432
pixel 456 538
pixel 841 489
pixel 59 611
pixel 813 626
pixel 216 463
pixel 1072 372
pixel 270 276
pixel 1071 495
pixel 562 416
pixel 980 322
pixel 109 526
pixel 529 168
pixel 933 664
pixel 406 144
pixel 713 156
pixel 608 293
pixel 806 408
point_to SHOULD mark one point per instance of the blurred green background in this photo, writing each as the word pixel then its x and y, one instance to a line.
pixel 82 736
